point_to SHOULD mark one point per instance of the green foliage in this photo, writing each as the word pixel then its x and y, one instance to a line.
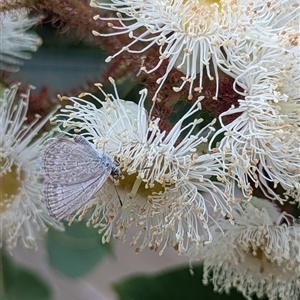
pixel 18 283
pixel 76 251
pixel 177 284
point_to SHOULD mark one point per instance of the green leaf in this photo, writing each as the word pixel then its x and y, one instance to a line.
pixel 19 283
pixel 177 284
pixel 76 251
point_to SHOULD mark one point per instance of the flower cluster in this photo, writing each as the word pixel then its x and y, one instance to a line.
pixel 199 38
pixel 255 43
pixel 263 142
pixel 22 210
pixel 259 254
pixel 188 178
pixel 15 41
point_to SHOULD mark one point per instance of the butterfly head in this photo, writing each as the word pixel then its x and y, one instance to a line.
pixel 115 171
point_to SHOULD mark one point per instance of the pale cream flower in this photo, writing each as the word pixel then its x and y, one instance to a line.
pixel 23 214
pixel 197 37
pixel 259 254
pixel 163 174
pixel 274 28
pixel 263 142
pixel 16 42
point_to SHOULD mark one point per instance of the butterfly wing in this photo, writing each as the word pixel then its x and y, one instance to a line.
pixel 68 162
pixel 63 200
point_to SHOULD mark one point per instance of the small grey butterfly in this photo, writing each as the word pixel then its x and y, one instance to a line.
pixel 74 171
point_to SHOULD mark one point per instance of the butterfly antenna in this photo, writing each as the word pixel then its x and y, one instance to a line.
pixel 118 195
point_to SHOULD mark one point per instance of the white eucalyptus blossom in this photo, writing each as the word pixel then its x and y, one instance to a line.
pixel 163 174
pixel 259 254
pixel 16 42
pixel 23 214
pixel 263 142
pixel 197 37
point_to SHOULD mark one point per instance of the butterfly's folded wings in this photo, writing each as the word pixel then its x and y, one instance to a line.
pixel 74 172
